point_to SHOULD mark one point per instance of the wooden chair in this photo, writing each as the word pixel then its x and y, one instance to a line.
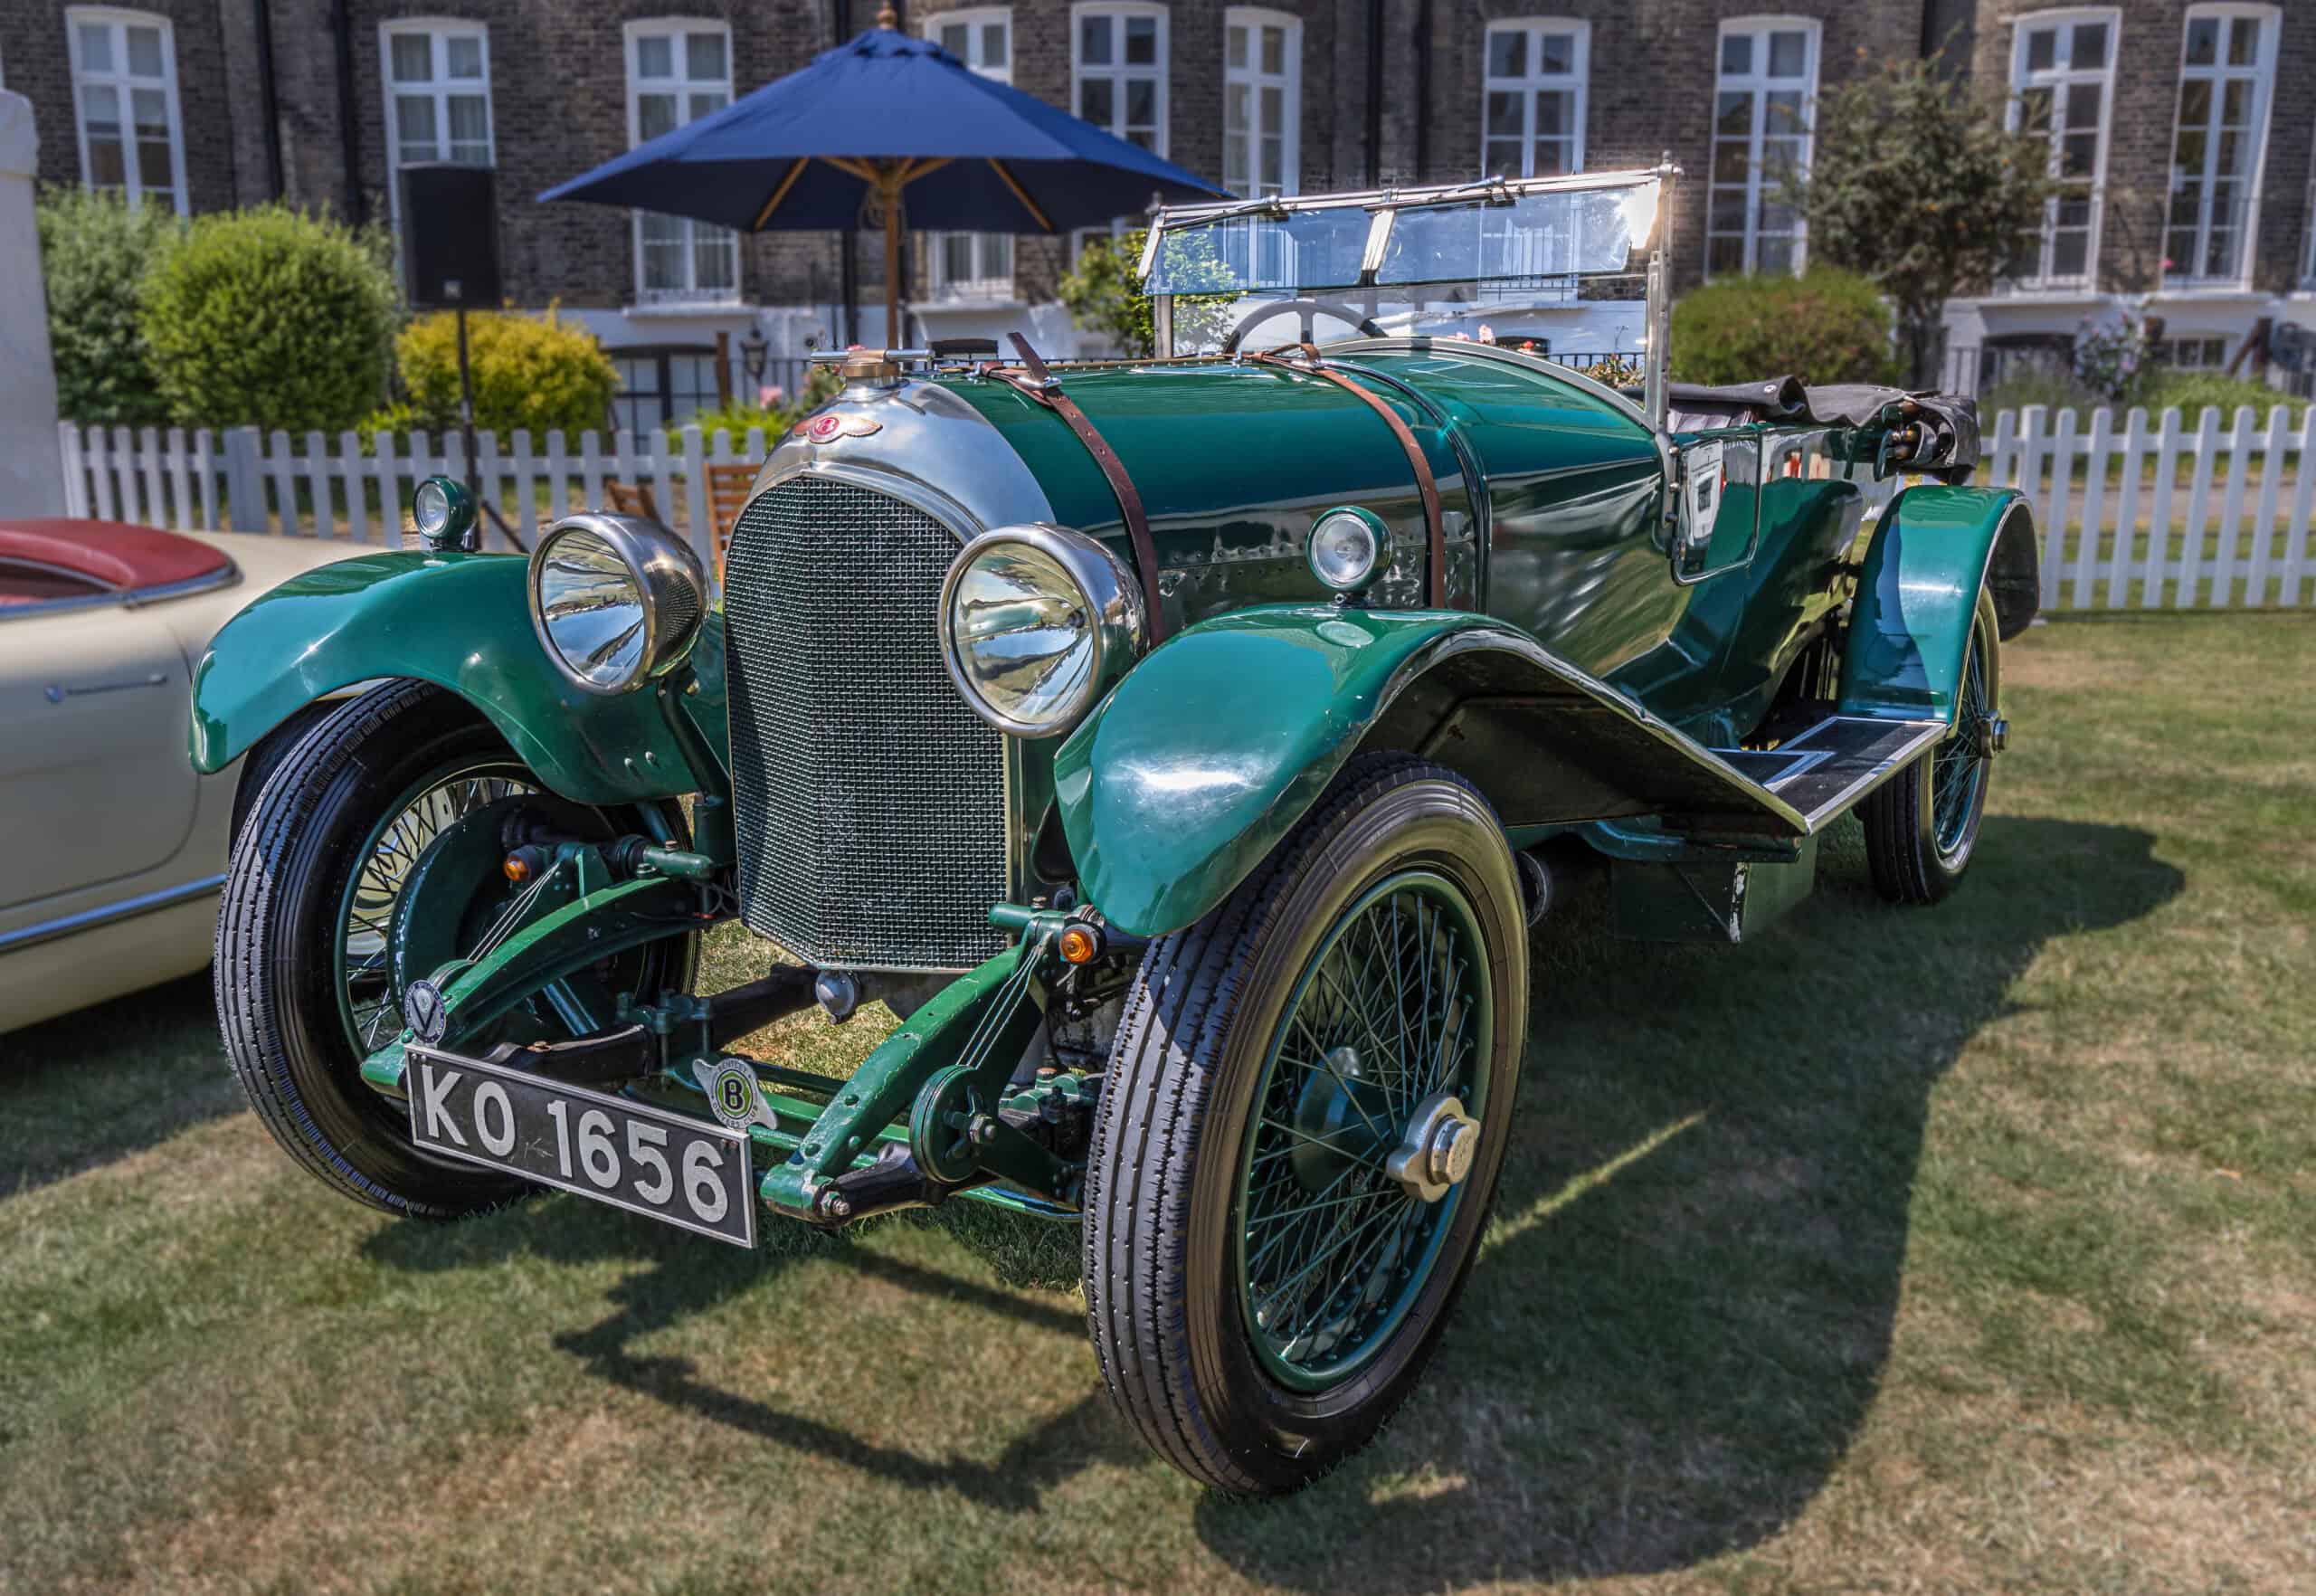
pixel 631 500
pixel 728 495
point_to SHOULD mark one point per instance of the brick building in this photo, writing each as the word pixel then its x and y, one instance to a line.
pixel 2186 130
pixel 2188 127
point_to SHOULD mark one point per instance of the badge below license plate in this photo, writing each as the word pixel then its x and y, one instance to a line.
pixel 668 1167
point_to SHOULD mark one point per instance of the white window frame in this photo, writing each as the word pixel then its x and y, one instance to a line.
pixel 437 29
pixel 932 24
pixel 632 36
pixel 986 283
pixel 1575 81
pixel 2058 80
pixel 2167 352
pixel 1757 85
pixel 1118 72
pixel 119 20
pixel 1251 76
pixel 2263 73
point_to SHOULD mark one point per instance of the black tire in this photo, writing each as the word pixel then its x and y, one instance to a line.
pixel 277 972
pixel 1912 863
pixel 260 762
pixel 1162 1270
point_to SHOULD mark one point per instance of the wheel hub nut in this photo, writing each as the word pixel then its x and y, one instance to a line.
pixel 1442 1143
pixel 1452 1147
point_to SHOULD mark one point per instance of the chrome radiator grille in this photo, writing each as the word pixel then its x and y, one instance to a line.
pixel 869 802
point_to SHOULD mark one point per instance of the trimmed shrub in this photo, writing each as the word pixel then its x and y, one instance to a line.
pixel 399 419
pixel 529 371
pixel 270 317
pixel 1823 327
pixel 94 249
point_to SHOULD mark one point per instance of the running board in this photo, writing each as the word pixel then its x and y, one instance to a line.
pixel 1827 771
pixel 1678 886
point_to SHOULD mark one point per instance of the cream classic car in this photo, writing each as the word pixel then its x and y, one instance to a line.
pixel 114 848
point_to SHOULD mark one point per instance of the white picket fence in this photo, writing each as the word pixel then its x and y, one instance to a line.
pixel 249 483
pixel 2121 530
pixel 2132 513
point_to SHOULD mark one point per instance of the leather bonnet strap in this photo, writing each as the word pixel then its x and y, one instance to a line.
pixel 1040 385
pixel 1427 488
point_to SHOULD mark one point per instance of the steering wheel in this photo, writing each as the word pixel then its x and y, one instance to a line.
pixel 1306 309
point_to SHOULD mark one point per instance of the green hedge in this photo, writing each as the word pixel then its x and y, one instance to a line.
pixel 529 371
pixel 94 249
pixel 1823 327
pixel 271 317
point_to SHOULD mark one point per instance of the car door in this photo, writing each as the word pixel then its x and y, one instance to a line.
pixel 1719 515
pixel 95 785
pixel 1712 513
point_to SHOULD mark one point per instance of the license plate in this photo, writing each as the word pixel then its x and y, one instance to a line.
pixel 671 1167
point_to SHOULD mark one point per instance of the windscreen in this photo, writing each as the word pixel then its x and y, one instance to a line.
pixel 1570 233
pixel 1553 234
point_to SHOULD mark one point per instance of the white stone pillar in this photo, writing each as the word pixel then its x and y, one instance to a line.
pixel 31 469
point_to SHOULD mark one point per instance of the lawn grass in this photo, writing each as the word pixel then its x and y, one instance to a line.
pixel 1970 1250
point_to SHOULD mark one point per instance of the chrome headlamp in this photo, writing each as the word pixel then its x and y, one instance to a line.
pixel 615 600
pixel 1037 621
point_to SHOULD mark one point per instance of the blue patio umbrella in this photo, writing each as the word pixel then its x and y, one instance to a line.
pixel 851 139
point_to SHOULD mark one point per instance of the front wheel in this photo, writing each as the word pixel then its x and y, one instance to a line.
pixel 309 939
pixel 1922 826
pixel 1305 1111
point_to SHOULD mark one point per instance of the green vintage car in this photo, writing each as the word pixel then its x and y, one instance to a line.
pixel 1180 748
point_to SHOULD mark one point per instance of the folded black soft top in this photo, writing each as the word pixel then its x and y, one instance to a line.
pixel 1948 423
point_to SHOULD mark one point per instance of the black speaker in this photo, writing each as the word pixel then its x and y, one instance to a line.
pixel 450 236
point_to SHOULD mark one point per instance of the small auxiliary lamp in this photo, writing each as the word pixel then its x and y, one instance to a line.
pixel 444 511
pixel 1348 549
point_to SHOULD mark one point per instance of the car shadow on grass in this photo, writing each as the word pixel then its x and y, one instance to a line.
pixel 1685 1303
pixel 689 1278
pixel 105 1082
pixel 1685 1308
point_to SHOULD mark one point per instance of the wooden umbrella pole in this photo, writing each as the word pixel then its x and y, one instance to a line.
pixel 887 179
pixel 890 176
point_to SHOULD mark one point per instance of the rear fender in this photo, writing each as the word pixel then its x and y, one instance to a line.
pixel 1910 624
pixel 1213 748
pixel 461 621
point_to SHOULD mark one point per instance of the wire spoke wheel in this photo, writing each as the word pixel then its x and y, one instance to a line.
pixel 1390 1014
pixel 1307 1107
pixel 367 999
pixel 372 854
pixel 1959 780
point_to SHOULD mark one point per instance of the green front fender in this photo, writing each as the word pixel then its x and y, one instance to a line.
pixel 1213 748
pixel 1208 753
pixel 463 623
pixel 1910 625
